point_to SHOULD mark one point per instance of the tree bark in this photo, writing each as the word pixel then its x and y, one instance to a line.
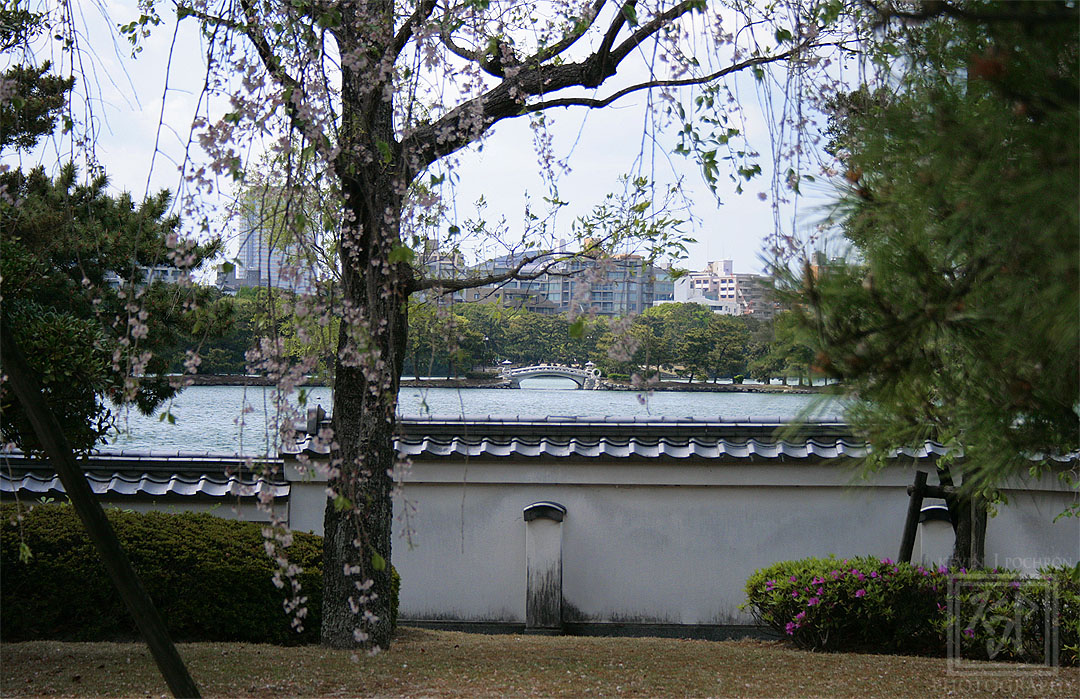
pixel 968 515
pixel 371 351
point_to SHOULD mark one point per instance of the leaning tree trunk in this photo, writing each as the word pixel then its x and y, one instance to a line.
pixel 371 352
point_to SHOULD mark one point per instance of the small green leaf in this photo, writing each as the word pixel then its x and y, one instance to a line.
pixel 402 253
pixel 384 151
pixel 341 503
pixel 25 554
pixel 377 561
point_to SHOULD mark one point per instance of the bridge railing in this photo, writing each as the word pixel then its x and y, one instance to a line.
pixel 554 368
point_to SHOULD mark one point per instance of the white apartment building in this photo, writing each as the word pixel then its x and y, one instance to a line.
pixel 725 292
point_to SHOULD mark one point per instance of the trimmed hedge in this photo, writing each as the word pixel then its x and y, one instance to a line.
pixel 209 577
pixel 876 605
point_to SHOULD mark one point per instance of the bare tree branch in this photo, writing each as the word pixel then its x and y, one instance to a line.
pixel 597 103
pixel 613 31
pixel 452 285
pixel 421 14
pixel 468 121
pixel 262 46
pixel 570 39
pixel 645 31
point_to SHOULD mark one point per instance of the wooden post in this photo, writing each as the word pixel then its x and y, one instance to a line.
pixel 916 492
pixel 47 428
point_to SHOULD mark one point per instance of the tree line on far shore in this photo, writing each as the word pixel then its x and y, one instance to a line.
pixel 465 339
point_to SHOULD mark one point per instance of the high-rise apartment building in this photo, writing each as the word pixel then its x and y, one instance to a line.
pixel 266 260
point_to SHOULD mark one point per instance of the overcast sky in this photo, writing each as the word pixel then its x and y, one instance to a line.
pixel 600 145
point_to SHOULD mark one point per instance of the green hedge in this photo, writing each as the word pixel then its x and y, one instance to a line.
pixel 876 605
pixel 209 577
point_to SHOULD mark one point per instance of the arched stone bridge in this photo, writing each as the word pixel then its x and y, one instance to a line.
pixel 585 378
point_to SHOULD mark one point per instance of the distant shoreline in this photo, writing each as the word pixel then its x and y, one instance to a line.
pixel 242 380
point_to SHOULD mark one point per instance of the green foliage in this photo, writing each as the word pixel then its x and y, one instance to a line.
pixel 209 577
pixel 874 605
pixel 70 257
pixel 452 338
pixel 954 314
pixel 787 353
pixel 34 106
pixel 859 604
pixel 62 242
pixel 986 610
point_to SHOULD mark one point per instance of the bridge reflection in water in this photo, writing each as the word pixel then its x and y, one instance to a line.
pixel 587 378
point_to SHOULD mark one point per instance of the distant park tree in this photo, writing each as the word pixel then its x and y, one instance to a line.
pixel 954 315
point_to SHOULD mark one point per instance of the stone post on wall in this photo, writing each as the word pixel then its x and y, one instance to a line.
pixel 543 565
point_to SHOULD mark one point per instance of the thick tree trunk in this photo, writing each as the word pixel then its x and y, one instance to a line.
pixel 371 352
pixel 357 527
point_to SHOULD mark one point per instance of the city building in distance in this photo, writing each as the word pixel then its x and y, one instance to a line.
pixel 721 289
pixel 265 260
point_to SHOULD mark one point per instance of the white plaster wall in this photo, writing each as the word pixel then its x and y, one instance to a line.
pixel 662 541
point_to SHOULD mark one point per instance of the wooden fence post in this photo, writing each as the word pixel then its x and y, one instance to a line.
pixel 916 492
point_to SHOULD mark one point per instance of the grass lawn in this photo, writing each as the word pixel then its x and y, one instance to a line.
pixel 446 664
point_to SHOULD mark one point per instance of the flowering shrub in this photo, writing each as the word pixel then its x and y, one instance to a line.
pixel 999 615
pixel 865 604
pixel 876 605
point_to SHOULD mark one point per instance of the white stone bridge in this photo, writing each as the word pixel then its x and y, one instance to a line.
pixel 588 378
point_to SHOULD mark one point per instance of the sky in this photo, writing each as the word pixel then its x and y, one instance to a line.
pixel 129 99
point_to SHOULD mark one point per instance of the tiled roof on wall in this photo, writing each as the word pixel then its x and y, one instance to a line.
pixel 618 438
pixel 150 475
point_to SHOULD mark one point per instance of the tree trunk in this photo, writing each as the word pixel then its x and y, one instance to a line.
pixel 968 515
pixel 371 351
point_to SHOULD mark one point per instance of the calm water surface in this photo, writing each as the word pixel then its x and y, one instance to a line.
pixel 234 419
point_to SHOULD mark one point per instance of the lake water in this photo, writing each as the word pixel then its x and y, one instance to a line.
pixel 234 419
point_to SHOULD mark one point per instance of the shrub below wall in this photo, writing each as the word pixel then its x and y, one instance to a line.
pixel 209 577
pixel 875 605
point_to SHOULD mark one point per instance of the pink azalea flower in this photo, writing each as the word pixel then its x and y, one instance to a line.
pixel 860 593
